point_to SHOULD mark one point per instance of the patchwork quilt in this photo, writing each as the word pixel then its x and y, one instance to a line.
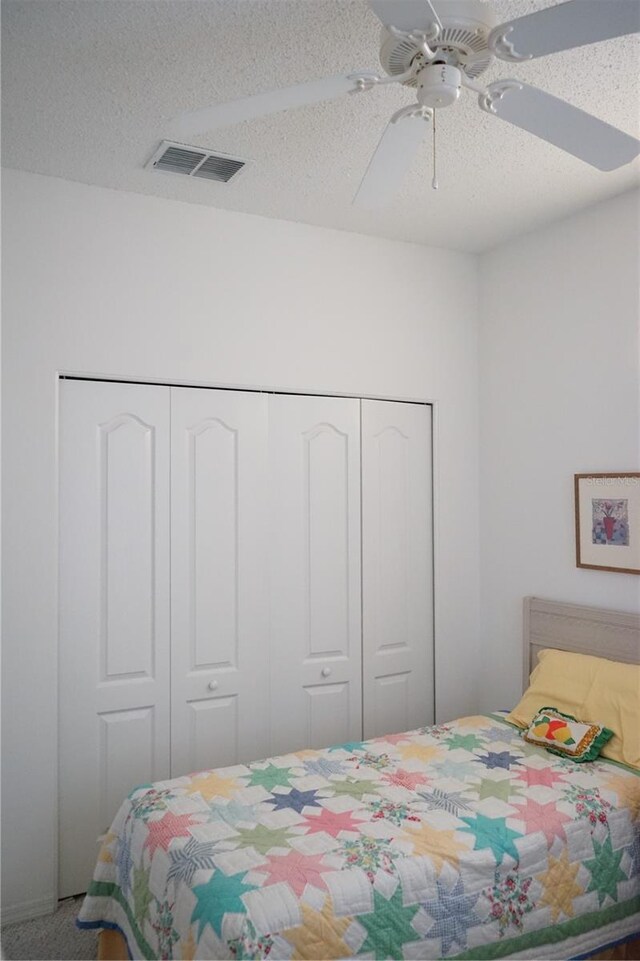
pixel 454 841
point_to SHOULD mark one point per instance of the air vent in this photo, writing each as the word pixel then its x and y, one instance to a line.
pixel 177 158
pixel 216 167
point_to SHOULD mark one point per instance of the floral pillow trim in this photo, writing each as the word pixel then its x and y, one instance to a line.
pixel 564 735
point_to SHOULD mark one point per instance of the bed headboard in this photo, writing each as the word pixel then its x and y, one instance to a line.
pixel 584 630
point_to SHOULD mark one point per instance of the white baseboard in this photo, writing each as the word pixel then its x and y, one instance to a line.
pixel 27 910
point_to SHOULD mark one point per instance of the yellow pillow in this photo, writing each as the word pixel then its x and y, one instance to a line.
pixel 605 692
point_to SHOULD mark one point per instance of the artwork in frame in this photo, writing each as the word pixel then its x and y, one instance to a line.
pixel 608 521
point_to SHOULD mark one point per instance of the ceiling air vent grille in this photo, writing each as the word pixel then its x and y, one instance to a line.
pixel 176 158
pixel 216 167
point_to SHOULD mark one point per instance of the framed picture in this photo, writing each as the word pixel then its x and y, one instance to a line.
pixel 608 522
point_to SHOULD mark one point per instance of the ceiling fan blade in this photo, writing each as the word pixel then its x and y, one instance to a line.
pixel 560 123
pixel 564 26
pixel 261 104
pixel 393 156
pixel 406 15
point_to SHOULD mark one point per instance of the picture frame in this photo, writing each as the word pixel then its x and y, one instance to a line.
pixel 607 512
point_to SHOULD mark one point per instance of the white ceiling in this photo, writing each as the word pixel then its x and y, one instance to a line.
pixel 89 87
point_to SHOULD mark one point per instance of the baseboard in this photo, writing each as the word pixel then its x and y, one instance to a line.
pixel 27 910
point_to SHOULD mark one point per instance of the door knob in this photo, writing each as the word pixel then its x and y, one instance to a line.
pixel 213 685
pixel 326 671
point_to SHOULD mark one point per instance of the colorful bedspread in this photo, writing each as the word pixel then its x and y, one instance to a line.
pixel 455 841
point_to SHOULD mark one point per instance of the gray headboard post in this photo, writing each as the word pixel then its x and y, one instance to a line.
pixel 583 630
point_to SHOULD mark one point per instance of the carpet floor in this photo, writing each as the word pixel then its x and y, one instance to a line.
pixel 53 937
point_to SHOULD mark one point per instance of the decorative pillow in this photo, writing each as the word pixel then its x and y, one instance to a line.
pixel 563 734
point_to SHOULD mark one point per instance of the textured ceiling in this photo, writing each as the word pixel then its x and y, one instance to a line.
pixel 89 87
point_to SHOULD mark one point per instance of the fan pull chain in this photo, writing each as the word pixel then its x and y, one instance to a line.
pixel 434 181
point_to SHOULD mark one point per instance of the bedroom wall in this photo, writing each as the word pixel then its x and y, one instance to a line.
pixel 560 382
pixel 105 282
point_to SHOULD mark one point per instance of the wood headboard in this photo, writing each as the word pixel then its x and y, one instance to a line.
pixel 584 630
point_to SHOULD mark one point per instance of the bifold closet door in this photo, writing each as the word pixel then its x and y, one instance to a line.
pixel 397 567
pixel 219 605
pixel 114 608
pixel 314 543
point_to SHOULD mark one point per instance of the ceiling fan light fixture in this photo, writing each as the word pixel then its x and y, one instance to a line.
pixel 439 85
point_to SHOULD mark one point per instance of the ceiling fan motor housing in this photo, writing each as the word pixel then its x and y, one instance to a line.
pixel 438 85
pixel 462 41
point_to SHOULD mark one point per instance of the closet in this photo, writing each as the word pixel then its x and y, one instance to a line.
pixel 241 575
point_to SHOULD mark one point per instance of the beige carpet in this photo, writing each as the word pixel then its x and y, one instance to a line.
pixel 54 937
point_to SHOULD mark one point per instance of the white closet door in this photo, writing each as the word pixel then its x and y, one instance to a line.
pixel 219 609
pixel 397 567
pixel 314 453
pixel 114 608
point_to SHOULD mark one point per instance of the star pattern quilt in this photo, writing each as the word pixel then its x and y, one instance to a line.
pixel 454 841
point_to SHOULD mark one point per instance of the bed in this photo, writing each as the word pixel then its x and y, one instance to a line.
pixel 454 841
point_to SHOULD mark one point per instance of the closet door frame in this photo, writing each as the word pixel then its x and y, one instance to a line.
pixel 103 377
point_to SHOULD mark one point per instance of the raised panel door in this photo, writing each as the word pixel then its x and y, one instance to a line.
pixel 397 567
pixel 114 608
pixel 314 571
pixel 219 612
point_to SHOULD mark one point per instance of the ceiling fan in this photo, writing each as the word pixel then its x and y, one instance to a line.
pixel 439 49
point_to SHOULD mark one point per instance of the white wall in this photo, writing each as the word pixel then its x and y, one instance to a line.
pixel 560 383
pixel 104 282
